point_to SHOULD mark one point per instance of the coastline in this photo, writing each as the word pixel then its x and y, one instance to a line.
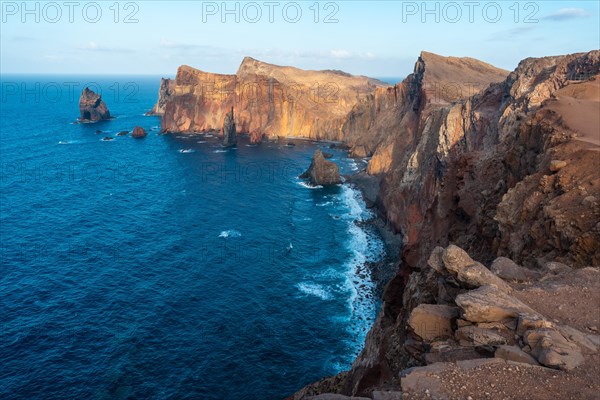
pixel 384 270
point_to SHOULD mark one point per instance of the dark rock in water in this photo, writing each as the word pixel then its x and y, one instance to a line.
pixel 138 132
pixel 98 132
pixel 340 146
pixel 91 107
pixel 229 133
pixel 290 144
pixel 107 139
pixel 321 171
pixel 327 155
pixel 123 133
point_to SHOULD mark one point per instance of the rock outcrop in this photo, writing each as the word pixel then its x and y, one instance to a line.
pixel 165 91
pixel 138 133
pixel 430 340
pixel 270 101
pixel 229 131
pixel 322 171
pixel 91 107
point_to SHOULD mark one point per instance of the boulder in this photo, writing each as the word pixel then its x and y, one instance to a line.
pixel 514 353
pixel 229 130
pixel 433 321
pixel 557 165
pixel 527 322
pixel 507 269
pixel 435 260
pixel 123 133
pixel 138 132
pixel 489 304
pixel 479 336
pixel 470 272
pixel 456 353
pixel 322 171
pixel 579 338
pixel 91 107
pixel 551 349
pixel 556 268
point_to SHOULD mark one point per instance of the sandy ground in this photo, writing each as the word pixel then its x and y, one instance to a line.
pixel 579 106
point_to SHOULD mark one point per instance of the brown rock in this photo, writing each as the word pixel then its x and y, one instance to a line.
pixel 557 165
pixel 479 336
pixel 322 171
pixel 508 270
pixel 488 304
pixel 551 349
pixel 514 353
pixel 436 261
pixel 470 272
pixel 91 107
pixel 138 132
pixel 433 321
pixel 229 131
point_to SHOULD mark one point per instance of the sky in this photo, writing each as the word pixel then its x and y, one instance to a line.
pixel 374 38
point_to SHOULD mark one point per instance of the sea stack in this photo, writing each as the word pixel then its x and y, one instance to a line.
pixel 321 171
pixel 91 107
pixel 229 133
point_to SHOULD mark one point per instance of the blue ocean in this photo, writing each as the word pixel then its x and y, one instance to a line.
pixel 168 267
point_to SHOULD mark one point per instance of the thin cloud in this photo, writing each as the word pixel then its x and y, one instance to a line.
pixel 567 13
pixel 340 54
pixel 93 46
pixel 22 39
pixel 511 34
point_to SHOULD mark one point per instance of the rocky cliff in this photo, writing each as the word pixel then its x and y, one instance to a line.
pixel 270 101
pixel 276 101
pixel 373 125
pixel 165 90
pixel 511 171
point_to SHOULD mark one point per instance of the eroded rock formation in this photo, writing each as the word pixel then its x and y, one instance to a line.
pixel 91 107
pixel 229 131
pixel 322 171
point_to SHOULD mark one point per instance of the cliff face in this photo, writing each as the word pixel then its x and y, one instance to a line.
pixel 391 117
pixel 270 101
pixel 165 90
pixel 510 171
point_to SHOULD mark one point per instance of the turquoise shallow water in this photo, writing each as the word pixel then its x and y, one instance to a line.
pixel 133 269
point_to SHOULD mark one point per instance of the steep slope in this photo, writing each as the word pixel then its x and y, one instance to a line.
pixel 375 123
pixel 270 101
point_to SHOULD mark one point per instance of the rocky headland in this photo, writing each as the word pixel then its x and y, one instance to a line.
pixel 492 179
